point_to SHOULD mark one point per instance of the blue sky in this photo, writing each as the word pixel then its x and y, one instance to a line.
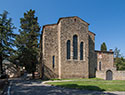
pixel 106 17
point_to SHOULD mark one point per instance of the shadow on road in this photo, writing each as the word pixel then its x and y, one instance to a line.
pixel 35 87
pixel 81 87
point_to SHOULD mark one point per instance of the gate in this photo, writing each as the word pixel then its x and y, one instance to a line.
pixel 109 75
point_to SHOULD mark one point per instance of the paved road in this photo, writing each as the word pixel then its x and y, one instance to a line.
pixel 25 87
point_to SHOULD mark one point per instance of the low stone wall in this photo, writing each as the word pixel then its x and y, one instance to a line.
pixel 117 75
pixel 100 74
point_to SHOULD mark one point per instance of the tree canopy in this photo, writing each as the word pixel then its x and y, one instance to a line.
pixel 103 47
pixel 6 37
pixel 117 53
pixel 119 60
pixel 27 41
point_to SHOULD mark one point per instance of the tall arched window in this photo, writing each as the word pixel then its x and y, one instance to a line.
pixel 100 66
pixel 68 49
pixel 75 47
pixel 53 64
pixel 81 51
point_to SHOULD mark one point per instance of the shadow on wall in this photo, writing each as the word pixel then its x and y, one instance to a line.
pixel 92 59
pixel 48 73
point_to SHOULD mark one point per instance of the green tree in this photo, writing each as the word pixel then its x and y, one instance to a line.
pixel 119 60
pixel 120 63
pixel 27 41
pixel 117 53
pixel 6 38
pixel 103 47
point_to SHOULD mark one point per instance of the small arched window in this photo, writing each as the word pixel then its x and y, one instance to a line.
pixel 75 47
pixel 68 49
pixel 100 66
pixel 81 51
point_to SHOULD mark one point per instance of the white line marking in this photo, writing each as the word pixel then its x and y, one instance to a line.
pixel 8 92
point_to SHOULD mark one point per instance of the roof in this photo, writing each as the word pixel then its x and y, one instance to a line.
pixel 49 25
pixel 92 32
pixel 104 51
pixel 71 17
pixel 63 18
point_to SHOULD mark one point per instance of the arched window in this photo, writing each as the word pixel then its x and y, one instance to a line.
pixel 68 49
pixel 81 51
pixel 75 47
pixel 100 66
pixel 53 64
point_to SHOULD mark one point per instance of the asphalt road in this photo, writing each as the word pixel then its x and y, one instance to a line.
pixel 36 87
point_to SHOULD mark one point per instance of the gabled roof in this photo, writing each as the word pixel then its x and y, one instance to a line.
pixel 104 51
pixel 65 18
pixel 92 32
pixel 71 17
pixel 61 19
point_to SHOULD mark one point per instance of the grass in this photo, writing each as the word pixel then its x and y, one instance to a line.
pixel 79 79
pixel 92 84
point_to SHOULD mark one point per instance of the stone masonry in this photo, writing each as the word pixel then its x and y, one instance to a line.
pixel 58 41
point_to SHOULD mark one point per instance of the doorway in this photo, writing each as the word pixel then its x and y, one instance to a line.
pixel 109 75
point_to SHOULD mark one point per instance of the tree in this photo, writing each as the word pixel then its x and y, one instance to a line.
pixel 6 38
pixel 103 47
pixel 119 60
pixel 117 53
pixel 120 63
pixel 27 41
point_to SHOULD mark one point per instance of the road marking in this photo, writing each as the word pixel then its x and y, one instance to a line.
pixel 8 92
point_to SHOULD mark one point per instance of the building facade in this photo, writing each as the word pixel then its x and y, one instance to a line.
pixel 68 50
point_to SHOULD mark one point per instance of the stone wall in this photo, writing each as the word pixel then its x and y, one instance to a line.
pixel 107 63
pixel 106 58
pixel 117 75
pixel 101 74
pixel 73 68
pixel 54 43
pixel 50 49
pixel 92 55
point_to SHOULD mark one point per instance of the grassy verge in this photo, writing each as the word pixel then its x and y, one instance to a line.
pixel 93 84
pixel 79 79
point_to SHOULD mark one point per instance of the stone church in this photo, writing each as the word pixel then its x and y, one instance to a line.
pixel 68 51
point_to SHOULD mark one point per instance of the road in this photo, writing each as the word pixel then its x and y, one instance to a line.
pixel 36 87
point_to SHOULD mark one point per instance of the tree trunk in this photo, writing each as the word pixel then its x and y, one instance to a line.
pixel 1 69
pixel 33 76
pixel 33 69
pixel 42 71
